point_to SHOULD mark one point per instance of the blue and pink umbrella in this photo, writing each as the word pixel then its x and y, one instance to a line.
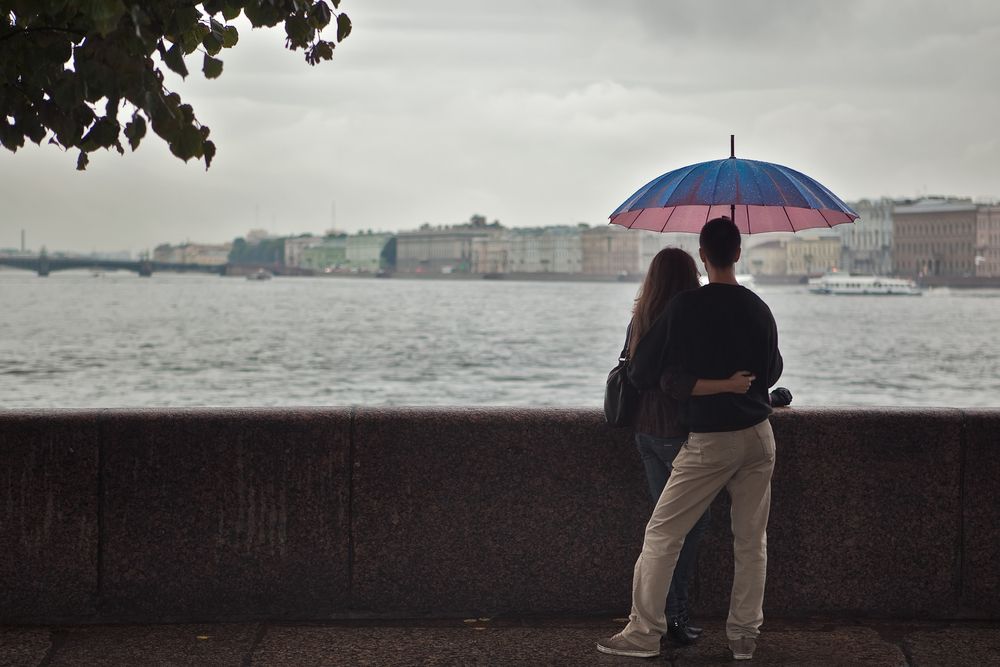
pixel 759 196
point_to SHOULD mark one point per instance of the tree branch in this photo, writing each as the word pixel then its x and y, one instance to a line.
pixel 22 31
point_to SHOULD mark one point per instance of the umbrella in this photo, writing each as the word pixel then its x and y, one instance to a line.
pixel 759 196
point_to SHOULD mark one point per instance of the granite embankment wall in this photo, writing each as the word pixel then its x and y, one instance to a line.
pixel 170 515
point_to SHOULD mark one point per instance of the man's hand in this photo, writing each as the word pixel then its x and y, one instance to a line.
pixel 739 382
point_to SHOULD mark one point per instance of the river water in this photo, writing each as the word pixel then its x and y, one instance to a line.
pixel 75 340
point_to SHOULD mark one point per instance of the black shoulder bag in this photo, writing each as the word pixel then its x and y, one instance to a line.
pixel 621 399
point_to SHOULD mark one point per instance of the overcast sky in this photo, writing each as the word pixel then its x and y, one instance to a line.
pixel 539 113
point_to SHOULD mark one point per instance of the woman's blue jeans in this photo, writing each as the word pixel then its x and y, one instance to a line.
pixel 658 459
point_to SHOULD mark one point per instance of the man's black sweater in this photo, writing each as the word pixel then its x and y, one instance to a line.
pixel 710 333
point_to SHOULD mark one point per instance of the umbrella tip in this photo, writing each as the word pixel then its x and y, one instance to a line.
pixel 732 145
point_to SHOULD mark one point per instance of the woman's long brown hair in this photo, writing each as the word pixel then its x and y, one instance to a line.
pixel 671 272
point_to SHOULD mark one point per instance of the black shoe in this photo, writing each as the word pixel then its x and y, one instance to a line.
pixel 692 629
pixel 678 633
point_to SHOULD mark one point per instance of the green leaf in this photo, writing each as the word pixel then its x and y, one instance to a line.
pixel 188 144
pixel 261 13
pixel 212 67
pixel 299 32
pixel 135 130
pixel 166 118
pixel 69 131
pixel 343 27
pixel 209 149
pixel 10 136
pixel 174 59
pixel 230 35
pixel 212 44
pixel 212 7
pixel 66 92
pixel 59 49
pixel 321 50
pixel 82 161
pixel 31 127
pixel 186 112
pixel 320 15
pixel 102 134
pixel 192 38
pixel 183 20
pixel 106 14
pixel 231 10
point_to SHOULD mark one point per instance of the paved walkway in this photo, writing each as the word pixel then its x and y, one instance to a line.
pixel 489 642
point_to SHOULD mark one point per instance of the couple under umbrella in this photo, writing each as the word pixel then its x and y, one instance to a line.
pixel 703 361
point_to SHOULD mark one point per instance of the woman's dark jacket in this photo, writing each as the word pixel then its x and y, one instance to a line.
pixel 659 413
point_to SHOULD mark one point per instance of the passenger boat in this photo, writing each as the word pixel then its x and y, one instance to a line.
pixel 260 274
pixel 844 283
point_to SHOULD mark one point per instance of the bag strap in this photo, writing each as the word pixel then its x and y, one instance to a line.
pixel 628 335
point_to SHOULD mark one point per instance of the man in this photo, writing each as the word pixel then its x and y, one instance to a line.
pixel 713 331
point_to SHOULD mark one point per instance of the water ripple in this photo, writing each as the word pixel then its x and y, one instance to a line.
pixel 71 340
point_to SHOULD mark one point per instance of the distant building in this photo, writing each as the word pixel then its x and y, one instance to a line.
pixel 296 246
pixel 767 259
pixel 441 249
pixel 813 256
pixel 939 237
pixel 650 243
pixel 193 253
pixel 258 235
pixel 368 252
pixel 167 253
pixel 867 243
pixel 114 255
pixel 557 249
pixel 610 250
pixel 491 254
pixel 330 254
pixel 987 259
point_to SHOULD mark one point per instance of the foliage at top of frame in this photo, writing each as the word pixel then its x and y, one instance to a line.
pixel 69 69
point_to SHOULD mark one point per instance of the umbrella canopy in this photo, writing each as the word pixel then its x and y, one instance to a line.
pixel 762 197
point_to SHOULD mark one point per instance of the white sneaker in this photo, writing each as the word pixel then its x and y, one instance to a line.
pixel 618 645
pixel 742 648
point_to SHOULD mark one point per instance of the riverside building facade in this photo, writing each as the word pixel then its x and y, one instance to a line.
pixel 441 250
pixel 611 250
pixel 546 250
pixel 813 256
pixel 369 252
pixel 193 253
pixel 767 259
pixel 296 246
pixel 330 254
pixel 987 259
pixel 866 244
pixel 936 237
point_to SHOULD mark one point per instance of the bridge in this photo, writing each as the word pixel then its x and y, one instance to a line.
pixel 43 265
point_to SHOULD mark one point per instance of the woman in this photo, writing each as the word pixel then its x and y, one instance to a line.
pixel 660 430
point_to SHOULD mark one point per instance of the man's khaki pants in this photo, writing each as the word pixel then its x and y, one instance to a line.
pixel 742 462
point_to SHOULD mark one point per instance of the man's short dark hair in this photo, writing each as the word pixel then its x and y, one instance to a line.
pixel 720 239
